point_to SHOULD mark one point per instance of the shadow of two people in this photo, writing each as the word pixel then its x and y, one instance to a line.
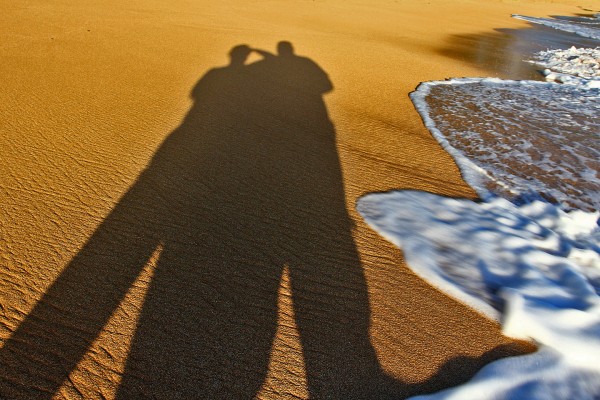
pixel 247 185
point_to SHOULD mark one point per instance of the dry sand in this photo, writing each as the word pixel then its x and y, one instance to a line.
pixel 159 244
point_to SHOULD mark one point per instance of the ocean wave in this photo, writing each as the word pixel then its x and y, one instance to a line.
pixel 582 26
pixel 528 255
pixel 522 140
pixel 534 266
pixel 578 66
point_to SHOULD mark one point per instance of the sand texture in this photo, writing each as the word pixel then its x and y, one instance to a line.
pixel 175 223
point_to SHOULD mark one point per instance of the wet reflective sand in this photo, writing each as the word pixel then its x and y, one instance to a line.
pixel 502 51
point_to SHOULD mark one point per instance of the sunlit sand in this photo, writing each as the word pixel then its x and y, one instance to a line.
pixel 178 184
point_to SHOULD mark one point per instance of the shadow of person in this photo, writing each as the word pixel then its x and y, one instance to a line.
pixel 248 184
pixel 272 196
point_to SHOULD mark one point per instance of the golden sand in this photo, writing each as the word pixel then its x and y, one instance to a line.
pixel 159 242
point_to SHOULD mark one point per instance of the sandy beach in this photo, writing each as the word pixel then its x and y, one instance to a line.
pixel 178 184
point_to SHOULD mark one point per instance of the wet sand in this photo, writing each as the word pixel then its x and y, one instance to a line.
pixel 175 223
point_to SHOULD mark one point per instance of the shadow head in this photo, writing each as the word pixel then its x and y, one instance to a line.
pixel 285 49
pixel 239 54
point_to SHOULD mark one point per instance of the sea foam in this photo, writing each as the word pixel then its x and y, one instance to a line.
pixel 528 255
pixel 578 66
pixel 521 140
pixel 533 266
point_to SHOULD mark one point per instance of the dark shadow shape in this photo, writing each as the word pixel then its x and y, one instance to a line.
pixel 248 184
pixel 461 369
pixel 504 52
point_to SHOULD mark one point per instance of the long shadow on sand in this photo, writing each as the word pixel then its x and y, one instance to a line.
pixel 248 184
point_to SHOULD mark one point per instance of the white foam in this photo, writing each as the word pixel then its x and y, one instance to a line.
pixel 519 139
pixel 531 264
pixel 571 66
pixel 586 27
pixel 536 263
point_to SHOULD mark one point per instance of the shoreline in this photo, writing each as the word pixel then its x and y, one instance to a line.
pixel 94 92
